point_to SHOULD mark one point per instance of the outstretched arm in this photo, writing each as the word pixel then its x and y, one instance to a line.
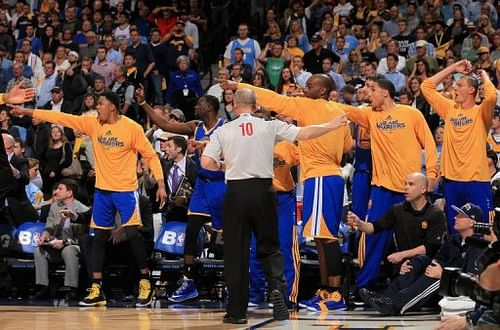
pixel 314 131
pixel 80 123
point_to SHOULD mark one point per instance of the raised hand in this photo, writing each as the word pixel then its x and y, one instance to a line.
pixel 463 66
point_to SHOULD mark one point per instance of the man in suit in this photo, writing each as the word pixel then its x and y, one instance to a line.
pixel 59 240
pixel 18 208
pixel 175 166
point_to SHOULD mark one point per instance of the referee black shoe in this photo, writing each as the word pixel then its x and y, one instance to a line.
pixel 280 309
pixel 234 320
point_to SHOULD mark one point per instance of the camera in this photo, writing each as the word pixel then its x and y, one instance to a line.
pixel 482 228
pixel 456 283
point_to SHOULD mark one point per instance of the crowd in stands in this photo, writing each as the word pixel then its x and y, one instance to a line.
pixel 73 51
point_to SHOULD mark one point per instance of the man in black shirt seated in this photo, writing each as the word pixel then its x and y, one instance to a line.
pixel 418 225
pixel 420 276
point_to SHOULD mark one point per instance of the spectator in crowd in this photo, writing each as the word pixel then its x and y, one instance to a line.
pixel 57 157
pixel 246 70
pixel 59 240
pixel 394 76
pixel 216 89
pixel 103 67
pixel 274 63
pixel 184 88
pixel 313 59
pixel 392 48
pixel 226 109
pixel 250 47
pixel 51 79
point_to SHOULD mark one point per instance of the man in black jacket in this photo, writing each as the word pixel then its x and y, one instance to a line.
pixel 420 276
pixel 18 208
pixel 6 177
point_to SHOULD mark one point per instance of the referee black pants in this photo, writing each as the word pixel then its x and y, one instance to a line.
pixel 250 207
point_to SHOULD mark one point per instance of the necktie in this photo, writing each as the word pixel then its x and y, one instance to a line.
pixel 175 178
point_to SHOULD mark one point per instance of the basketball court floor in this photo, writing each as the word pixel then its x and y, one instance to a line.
pixel 61 316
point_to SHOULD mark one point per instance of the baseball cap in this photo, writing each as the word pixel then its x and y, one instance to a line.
pixel 421 43
pixel 470 210
pixel 177 114
pixel 55 89
pixel 483 50
pixel 316 37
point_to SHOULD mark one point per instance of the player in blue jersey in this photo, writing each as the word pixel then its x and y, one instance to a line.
pixel 208 194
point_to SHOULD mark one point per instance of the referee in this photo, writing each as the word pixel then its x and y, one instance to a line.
pixel 246 144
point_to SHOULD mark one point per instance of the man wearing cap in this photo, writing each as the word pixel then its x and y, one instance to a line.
pixel 472 53
pixel 51 79
pixel 116 142
pixel 313 59
pixel 464 167
pixel 420 34
pixel 419 277
pixel 421 54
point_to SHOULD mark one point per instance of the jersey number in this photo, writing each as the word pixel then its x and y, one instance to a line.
pixel 246 129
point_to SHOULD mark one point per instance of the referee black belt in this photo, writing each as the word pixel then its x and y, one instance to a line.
pixel 252 180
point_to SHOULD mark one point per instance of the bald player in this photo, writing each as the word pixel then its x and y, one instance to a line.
pixel 464 165
pixel 321 173
pixel 398 135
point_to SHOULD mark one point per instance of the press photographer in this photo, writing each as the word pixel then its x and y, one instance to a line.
pixel 483 289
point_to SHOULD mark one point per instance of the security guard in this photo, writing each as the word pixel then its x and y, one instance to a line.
pixel 247 144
